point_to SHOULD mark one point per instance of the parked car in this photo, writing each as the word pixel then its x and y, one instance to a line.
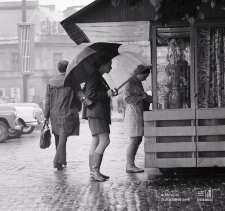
pixel 31 113
pixel 10 124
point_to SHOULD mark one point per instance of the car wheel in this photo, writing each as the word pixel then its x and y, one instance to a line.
pixel 15 133
pixel 3 132
pixel 28 130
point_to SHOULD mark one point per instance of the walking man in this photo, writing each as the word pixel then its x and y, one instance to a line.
pixel 62 107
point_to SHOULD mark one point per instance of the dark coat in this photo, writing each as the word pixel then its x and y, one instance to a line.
pixel 96 89
pixel 62 106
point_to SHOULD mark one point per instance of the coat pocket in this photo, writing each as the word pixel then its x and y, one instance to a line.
pixel 68 124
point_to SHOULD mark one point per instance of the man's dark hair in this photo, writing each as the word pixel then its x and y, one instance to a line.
pixel 102 60
pixel 62 65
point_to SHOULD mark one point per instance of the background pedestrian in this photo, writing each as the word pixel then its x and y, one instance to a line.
pixel 62 106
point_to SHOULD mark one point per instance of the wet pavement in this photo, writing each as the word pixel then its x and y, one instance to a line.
pixel 29 181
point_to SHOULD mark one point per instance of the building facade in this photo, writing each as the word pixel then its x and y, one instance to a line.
pixel 51 44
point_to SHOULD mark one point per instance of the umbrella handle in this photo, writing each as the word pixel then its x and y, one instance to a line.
pixel 115 92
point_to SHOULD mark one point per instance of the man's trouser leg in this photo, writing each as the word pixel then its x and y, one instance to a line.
pixel 56 140
pixel 61 148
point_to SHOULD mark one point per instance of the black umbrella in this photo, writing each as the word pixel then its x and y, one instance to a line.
pixel 82 65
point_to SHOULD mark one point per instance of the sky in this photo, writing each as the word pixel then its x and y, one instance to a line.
pixel 63 4
pixel 60 5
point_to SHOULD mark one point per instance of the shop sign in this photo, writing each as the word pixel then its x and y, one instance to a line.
pixel 15 93
pixel 26 47
pixel 51 27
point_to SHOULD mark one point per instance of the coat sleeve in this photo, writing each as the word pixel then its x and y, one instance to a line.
pixel 91 91
pixel 47 102
pixel 129 96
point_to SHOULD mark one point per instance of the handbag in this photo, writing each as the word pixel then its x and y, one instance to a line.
pixel 45 137
pixel 145 103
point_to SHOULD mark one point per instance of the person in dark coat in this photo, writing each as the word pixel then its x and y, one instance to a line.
pixel 98 114
pixel 62 106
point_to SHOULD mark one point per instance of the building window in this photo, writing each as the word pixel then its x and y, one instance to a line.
pixel 57 57
pixel 15 62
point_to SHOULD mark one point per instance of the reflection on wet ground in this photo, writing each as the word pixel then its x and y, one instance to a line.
pixel 29 181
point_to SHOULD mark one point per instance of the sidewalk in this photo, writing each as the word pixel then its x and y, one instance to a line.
pixel 116 117
pixel 29 181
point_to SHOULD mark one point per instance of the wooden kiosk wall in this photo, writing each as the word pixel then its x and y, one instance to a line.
pixel 189 137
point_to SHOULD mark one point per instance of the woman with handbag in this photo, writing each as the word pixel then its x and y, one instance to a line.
pixel 135 99
pixel 97 110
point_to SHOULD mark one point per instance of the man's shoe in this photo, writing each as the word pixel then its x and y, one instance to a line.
pixel 65 163
pixel 58 166
pixel 134 169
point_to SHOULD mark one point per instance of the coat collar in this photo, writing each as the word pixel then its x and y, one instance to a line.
pixel 57 81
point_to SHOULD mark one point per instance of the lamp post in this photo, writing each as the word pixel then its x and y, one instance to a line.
pixel 26 50
pixel 24 15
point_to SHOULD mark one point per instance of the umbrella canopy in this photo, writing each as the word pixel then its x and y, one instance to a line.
pixel 123 67
pixel 82 65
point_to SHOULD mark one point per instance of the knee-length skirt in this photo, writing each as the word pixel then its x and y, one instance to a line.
pixel 98 125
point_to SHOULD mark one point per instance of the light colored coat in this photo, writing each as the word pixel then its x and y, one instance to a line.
pixel 133 122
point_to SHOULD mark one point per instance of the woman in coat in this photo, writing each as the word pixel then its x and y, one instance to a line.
pixel 133 96
pixel 98 114
pixel 62 106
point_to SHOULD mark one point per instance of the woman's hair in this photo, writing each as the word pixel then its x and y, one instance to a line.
pixel 62 65
pixel 102 60
pixel 146 71
pixel 142 69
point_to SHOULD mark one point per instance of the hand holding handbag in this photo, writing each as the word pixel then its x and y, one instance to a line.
pixel 145 102
pixel 45 137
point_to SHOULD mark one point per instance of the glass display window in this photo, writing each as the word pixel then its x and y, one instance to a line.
pixel 173 67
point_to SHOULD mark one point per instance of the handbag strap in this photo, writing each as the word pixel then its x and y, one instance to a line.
pixel 45 124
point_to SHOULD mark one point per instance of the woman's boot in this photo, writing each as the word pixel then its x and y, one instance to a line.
pixel 91 157
pixel 95 174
